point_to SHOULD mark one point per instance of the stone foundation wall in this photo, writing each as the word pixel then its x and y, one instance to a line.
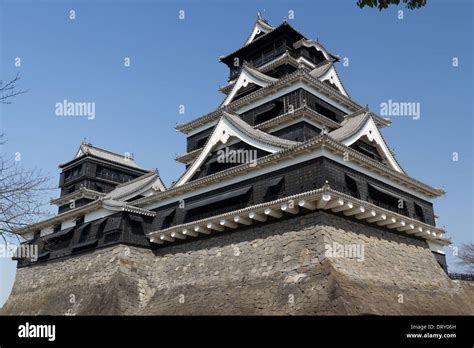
pixel 275 268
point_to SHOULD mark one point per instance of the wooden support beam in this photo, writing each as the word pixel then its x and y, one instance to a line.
pixel 289 209
pixel 399 223
pixel 165 237
pixel 242 220
pixel 423 233
pixel 408 227
pixel 323 201
pixel 156 240
pixel 307 204
pixel 354 211
pixel 177 235
pixel 378 217
pixel 345 206
pixel 228 223
pixel 215 227
pixel 257 216
pixel 191 233
pixel 416 230
pixel 274 213
pixel 388 221
pixel 366 215
pixel 335 203
pixel 201 229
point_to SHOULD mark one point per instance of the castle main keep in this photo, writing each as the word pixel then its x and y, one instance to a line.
pixel 291 202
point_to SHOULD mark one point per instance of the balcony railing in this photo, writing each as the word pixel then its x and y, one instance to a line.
pixel 73 177
pixel 462 276
pixel 419 218
pixel 387 206
pixel 268 57
pixel 107 176
pixel 347 191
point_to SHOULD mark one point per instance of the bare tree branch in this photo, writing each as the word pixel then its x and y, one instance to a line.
pixel 22 193
pixel 466 256
pixel 9 91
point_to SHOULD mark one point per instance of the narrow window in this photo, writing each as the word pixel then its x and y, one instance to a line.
pixel 101 227
pixel 386 199
pixel 168 219
pixel 201 142
pixel 98 188
pixel 80 221
pixel 351 186
pixel 85 231
pixel 419 213
pixel 275 188
pixel 136 227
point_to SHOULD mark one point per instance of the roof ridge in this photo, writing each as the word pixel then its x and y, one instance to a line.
pixel 332 55
pixel 350 126
pixel 321 68
pixel 296 74
pixel 364 109
pixel 257 133
pixel 141 177
pixel 142 182
pixel 252 70
pixel 90 145
pixel 284 23
pixel 263 23
pixel 247 74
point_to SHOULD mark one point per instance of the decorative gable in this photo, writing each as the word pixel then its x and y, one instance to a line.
pixel 261 27
pixel 326 72
pixel 142 186
pixel 232 127
pixel 248 75
pixel 331 77
pixel 363 127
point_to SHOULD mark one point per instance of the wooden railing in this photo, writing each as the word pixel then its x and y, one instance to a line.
pixel 388 206
pixel 462 276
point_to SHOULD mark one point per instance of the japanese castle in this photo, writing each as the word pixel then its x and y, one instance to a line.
pixel 286 140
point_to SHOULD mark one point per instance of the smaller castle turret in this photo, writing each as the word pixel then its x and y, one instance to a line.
pixel 92 173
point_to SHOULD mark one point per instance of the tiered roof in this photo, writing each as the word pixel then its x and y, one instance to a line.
pixel 114 201
pixel 147 192
pixel 301 75
pixel 283 27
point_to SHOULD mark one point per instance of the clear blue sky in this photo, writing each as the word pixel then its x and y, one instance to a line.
pixel 175 62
